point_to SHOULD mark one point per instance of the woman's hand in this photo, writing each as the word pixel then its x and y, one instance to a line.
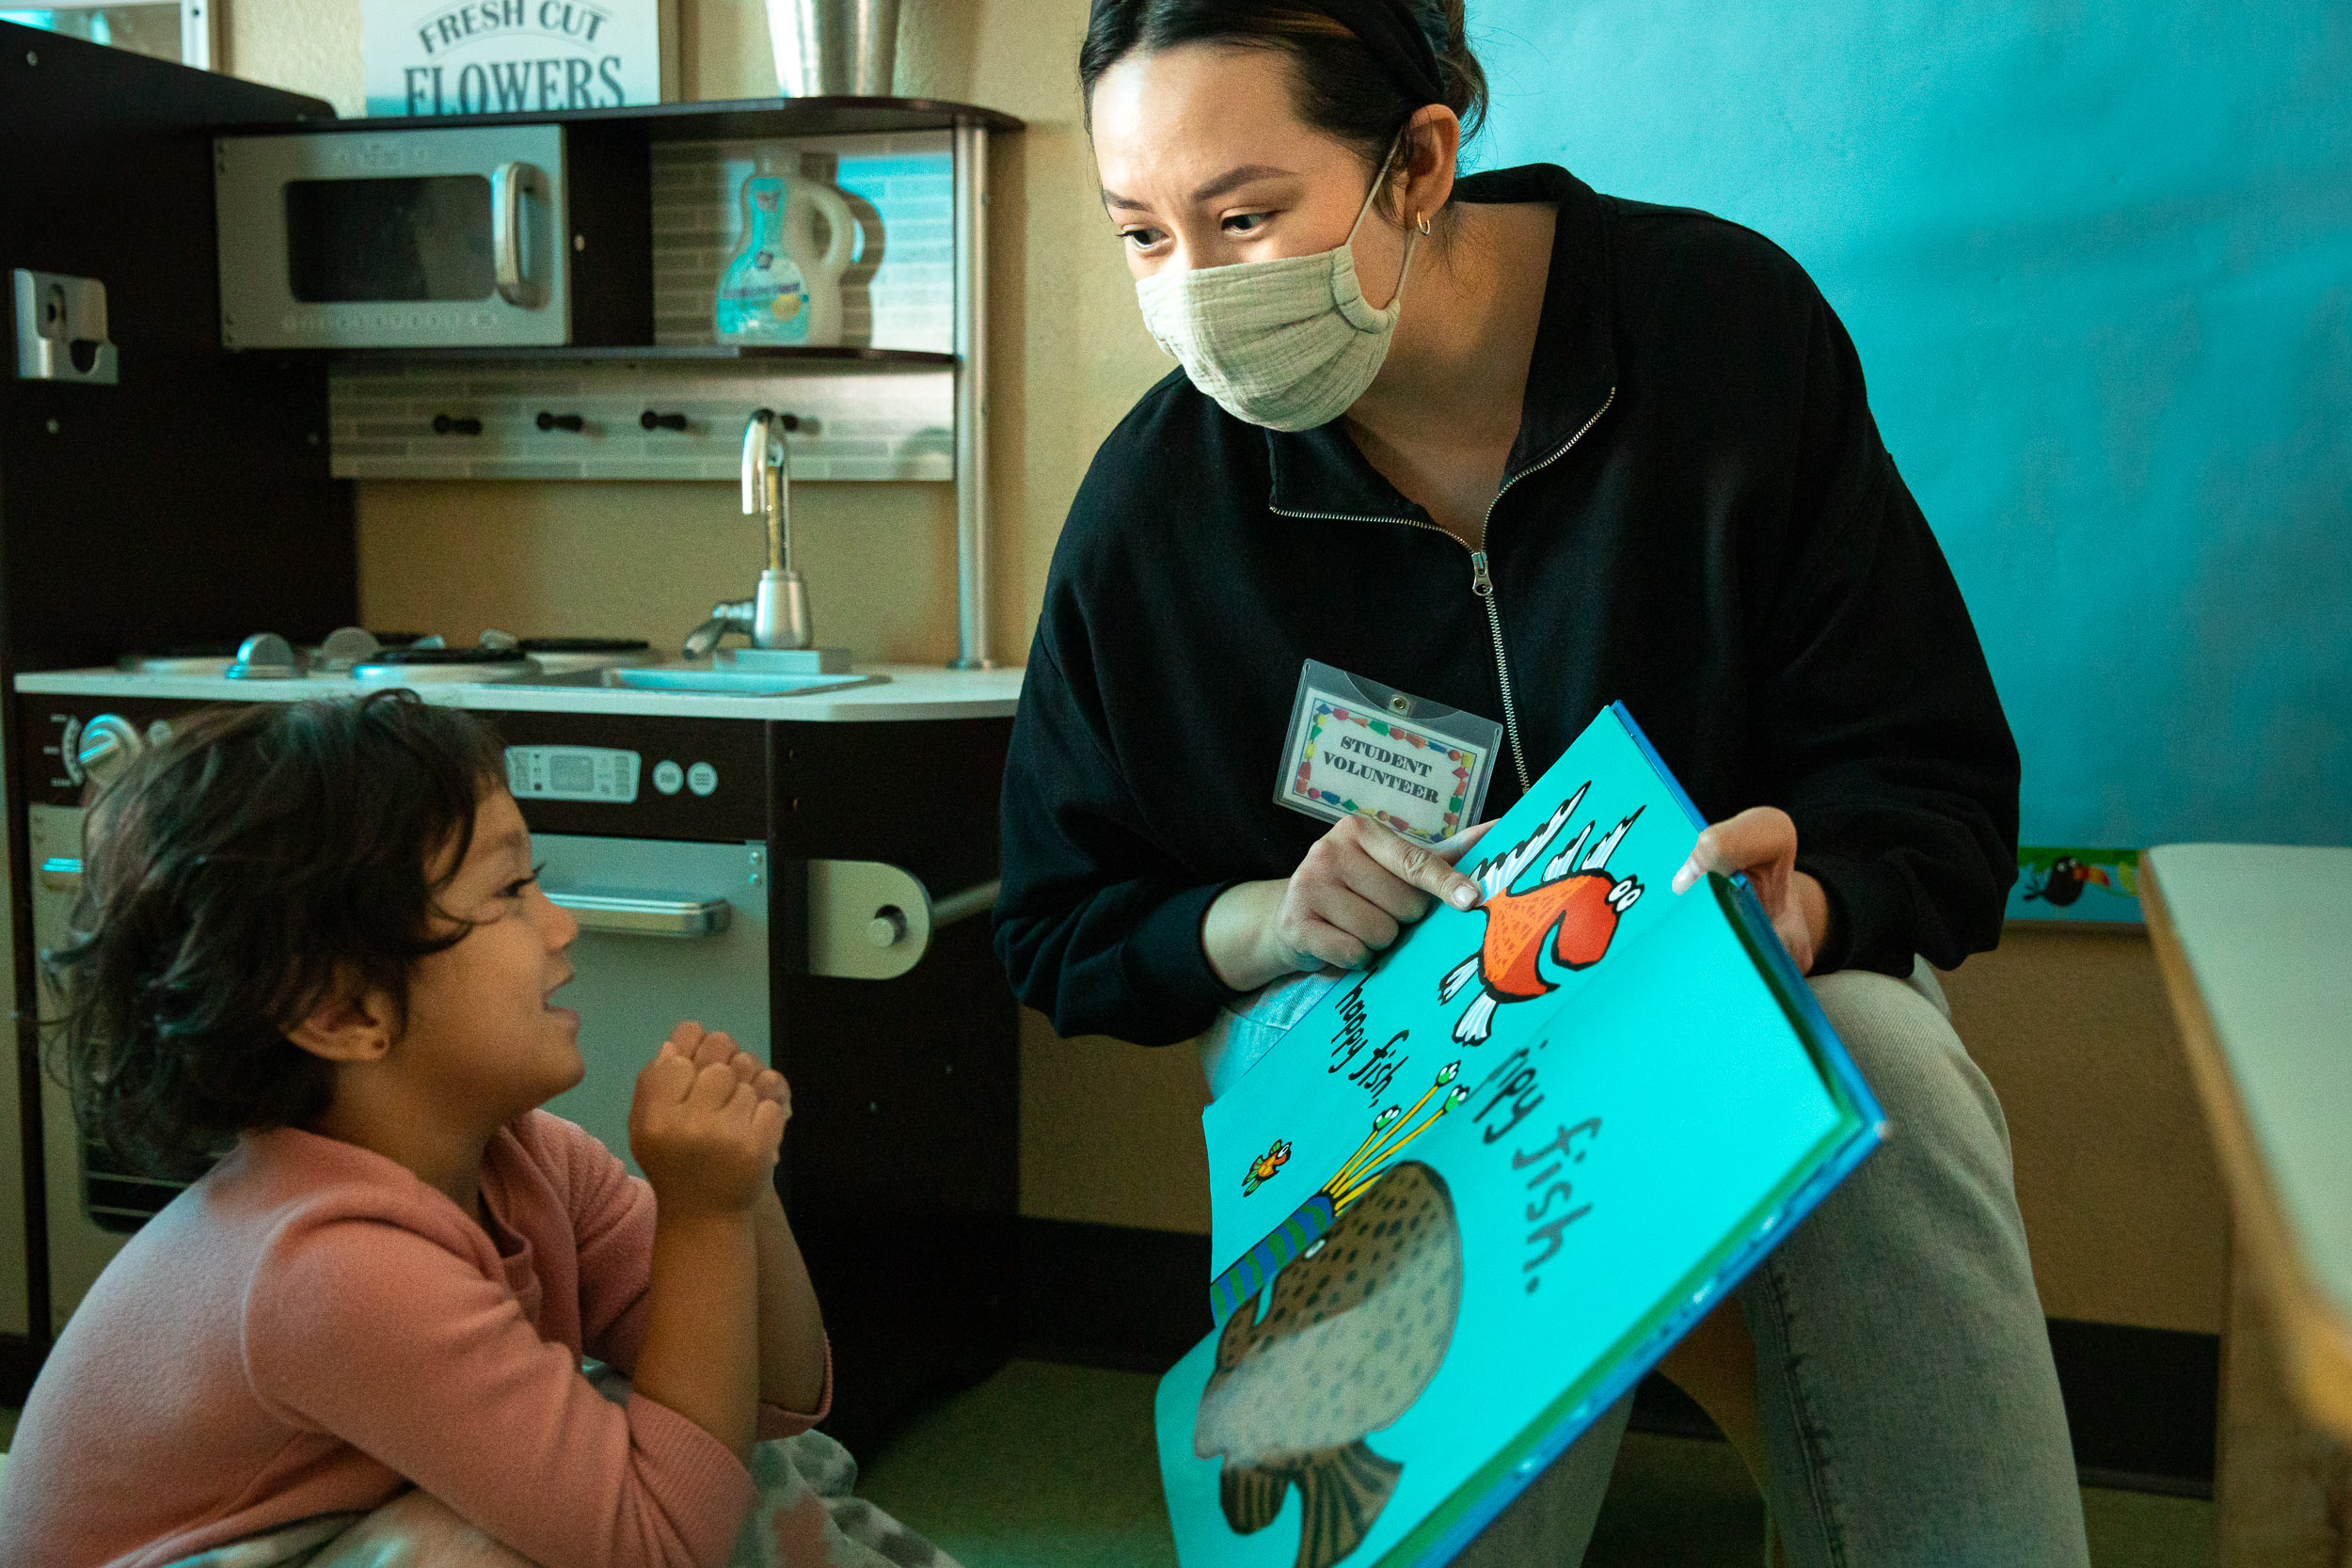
pixel 1762 842
pixel 1358 887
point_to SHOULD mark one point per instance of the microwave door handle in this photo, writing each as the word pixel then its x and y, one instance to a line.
pixel 507 187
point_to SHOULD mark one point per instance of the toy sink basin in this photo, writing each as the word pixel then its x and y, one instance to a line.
pixel 735 683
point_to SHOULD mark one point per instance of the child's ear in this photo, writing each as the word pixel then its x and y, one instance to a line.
pixel 351 1023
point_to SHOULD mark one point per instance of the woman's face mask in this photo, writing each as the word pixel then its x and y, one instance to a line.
pixel 1288 343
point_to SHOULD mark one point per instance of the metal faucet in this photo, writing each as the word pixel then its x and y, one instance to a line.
pixel 780 606
pixel 768 482
pixel 777 615
pixel 726 616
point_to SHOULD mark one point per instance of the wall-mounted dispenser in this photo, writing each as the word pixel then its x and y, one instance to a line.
pixel 61 329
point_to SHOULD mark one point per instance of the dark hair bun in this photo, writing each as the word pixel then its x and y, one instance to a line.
pixel 1353 79
pixel 1465 79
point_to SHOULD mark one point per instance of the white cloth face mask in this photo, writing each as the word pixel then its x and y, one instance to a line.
pixel 1288 343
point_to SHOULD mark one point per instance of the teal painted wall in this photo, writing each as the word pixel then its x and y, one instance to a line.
pixel 2097 258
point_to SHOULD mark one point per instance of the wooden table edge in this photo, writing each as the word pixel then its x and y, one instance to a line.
pixel 2317 1344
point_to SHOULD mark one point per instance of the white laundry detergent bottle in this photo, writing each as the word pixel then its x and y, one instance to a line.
pixel 781 286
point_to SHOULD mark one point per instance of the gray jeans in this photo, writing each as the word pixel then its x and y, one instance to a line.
pixel 1911 1410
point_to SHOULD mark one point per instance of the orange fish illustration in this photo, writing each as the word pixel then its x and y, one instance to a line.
pixel 1574 903
pixel 1263 1168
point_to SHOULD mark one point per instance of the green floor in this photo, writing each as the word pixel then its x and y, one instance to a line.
pixel 1051 1466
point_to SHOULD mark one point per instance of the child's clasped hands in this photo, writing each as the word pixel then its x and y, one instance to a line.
pixel 706 1120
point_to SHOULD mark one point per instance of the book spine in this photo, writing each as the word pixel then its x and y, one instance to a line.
pixel 1658 764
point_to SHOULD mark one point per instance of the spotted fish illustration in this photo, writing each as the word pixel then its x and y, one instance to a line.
pixel 1575 904
pixel 1354 1332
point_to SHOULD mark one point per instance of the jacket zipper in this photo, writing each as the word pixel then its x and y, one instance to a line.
pixel 1482 583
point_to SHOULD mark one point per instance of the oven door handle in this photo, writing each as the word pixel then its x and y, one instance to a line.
pixel 625 914
pixel 508 184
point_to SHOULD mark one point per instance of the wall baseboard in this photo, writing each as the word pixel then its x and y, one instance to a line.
pixel 2142 1402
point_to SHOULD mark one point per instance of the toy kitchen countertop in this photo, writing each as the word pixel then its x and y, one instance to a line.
pixel 874 693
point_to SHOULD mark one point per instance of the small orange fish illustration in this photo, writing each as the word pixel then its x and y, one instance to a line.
pixel 1574 903
pixel 1263 1168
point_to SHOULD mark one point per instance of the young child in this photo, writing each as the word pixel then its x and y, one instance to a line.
pixel 312 935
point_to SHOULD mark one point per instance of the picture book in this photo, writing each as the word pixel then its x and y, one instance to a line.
pixel 1468 1199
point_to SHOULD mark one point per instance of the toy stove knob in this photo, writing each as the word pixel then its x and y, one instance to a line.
pixel 265 656
pixel 109 743
pixel 346 646
pixel 69 749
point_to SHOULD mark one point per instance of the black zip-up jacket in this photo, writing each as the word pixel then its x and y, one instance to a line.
pixel 1697 518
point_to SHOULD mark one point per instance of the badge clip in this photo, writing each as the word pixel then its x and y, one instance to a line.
pixel 1356 748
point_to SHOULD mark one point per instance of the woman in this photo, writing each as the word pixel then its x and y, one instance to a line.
pixel 1521 450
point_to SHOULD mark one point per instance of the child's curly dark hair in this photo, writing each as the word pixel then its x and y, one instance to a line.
pixel 235 875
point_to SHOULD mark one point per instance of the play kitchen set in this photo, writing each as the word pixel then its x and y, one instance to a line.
pixel 759 837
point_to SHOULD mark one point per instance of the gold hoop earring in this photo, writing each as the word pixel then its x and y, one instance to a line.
pixel 1420 221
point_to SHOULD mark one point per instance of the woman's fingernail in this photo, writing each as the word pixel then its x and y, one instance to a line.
pixel 1463 896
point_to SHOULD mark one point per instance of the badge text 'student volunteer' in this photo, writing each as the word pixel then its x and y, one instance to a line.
pixel 1360 749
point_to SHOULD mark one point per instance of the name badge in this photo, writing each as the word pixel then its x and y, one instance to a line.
pixel 1356 748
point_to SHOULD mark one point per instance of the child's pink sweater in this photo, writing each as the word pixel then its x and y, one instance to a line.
pixel 310 1328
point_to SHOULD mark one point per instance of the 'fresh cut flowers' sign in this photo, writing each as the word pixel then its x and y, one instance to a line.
pixel 516 56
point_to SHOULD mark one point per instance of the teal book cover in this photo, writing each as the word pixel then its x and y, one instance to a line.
pixel 1479 1190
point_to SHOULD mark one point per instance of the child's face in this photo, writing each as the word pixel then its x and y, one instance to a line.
pixel 482 1024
